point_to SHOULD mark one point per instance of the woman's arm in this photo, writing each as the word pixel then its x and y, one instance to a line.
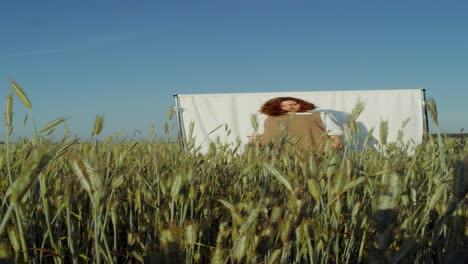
pixel 334 131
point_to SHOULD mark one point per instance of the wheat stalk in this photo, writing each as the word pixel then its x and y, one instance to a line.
pixel 52 124
pixel 21 95
pixel 98 125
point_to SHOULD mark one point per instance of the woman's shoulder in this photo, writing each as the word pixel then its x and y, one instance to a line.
pixel 309 114
pixel 304 116
pixel 323 113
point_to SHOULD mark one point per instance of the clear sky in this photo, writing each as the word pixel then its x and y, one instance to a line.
pixel 125 59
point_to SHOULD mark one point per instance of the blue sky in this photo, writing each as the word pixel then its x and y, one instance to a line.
pixel 126 59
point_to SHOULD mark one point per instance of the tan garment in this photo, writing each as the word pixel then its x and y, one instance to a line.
pixel 302 130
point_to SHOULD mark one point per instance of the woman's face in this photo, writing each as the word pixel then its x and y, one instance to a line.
pixel 290 106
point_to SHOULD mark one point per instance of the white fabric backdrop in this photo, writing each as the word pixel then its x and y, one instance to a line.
pixel 234 112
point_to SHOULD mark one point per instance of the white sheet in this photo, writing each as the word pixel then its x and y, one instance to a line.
pixel 214 115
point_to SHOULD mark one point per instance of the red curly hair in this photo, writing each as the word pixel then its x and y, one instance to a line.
pixel 272 107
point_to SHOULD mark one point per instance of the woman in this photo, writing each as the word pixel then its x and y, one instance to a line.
pixel 290 121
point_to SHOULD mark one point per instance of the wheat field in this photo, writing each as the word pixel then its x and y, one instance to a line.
pixel 153 201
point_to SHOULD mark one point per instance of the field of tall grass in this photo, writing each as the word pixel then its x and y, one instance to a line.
pixel 156 201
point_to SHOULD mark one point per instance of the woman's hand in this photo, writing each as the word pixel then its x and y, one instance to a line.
pixel 336 143
pixel 254 139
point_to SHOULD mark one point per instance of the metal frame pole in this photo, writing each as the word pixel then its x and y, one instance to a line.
pixel 425 115
pixel 180 124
